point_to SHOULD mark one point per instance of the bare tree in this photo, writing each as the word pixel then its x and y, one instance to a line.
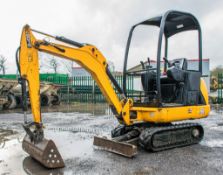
pixel 2 64
pixel 54 65
pixel 41 61
pixel 218 69
pixel 68 65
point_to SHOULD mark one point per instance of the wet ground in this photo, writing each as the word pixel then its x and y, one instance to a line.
pixel 73 127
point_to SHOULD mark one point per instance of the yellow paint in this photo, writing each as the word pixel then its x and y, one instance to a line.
pixel 204 90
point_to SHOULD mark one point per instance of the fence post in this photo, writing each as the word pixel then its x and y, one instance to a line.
pixel 220 87
pixel 68 92
pixel 93 92
pixel 85 88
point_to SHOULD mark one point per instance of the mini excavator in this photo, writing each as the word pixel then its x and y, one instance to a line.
pixel 150 119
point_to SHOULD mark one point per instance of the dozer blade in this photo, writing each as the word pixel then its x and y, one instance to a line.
pixel 122 148
pixel 44 152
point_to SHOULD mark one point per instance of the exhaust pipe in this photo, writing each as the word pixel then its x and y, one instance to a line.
pixel 44 151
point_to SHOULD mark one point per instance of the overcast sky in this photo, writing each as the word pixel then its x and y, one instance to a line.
pixel 106 24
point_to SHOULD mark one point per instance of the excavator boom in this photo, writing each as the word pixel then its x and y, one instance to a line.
pixel 87 56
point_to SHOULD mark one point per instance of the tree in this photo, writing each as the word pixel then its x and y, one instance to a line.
pixel 217 70
pixel 48 62
pixel 54 65
pixel 68 65
pixel 2 64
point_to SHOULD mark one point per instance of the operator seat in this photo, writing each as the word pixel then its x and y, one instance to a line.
pixel 187 83
pixel 148 80
pixel 177 71
pixel 172 86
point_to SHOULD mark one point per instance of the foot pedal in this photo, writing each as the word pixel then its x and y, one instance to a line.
pixel 122 148
pixel 44 152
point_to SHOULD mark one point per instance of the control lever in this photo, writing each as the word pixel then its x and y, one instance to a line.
pixel 148 60
pixel 167 61
pixel 143 65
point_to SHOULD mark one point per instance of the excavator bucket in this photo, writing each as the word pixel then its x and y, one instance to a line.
pixel 44 152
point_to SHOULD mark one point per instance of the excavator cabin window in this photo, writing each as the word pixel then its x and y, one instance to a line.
pixel 164 81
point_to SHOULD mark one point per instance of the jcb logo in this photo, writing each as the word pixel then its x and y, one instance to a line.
pixel 202 111
pixel 189 111
pixel 30 58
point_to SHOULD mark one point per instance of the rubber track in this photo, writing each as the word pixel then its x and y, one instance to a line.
pixel 146 136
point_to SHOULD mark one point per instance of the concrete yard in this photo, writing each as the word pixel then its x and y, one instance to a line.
pixel 73 127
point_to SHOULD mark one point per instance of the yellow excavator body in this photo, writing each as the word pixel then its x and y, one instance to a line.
pixel 129 113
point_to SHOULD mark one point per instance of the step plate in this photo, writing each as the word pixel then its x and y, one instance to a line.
pixel 122 148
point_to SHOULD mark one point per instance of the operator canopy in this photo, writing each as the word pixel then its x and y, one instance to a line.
pixel 173 22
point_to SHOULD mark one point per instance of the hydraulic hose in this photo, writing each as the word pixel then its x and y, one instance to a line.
pixel 17 59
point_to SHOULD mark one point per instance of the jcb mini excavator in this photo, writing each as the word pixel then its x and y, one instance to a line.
pixel 147 119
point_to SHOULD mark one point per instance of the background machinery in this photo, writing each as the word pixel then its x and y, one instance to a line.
pixel 146 119
pixel 7 98
pixel 10 94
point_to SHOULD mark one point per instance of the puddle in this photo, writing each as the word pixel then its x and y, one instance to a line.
pixel 32 167
pixel 4 134
pixel 11 155
pixel 73 147
pixel 217 128
pixel 95 109
pixel 213 143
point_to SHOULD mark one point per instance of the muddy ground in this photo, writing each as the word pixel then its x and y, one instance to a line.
pixel 73 127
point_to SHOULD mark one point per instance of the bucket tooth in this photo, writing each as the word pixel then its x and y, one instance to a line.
pixel 44 152
pixel 122 148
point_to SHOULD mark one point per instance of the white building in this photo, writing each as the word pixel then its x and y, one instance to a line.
pixel 78 71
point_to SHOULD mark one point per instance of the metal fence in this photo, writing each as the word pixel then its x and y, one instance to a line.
pixel 220 88
pixel 83 88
